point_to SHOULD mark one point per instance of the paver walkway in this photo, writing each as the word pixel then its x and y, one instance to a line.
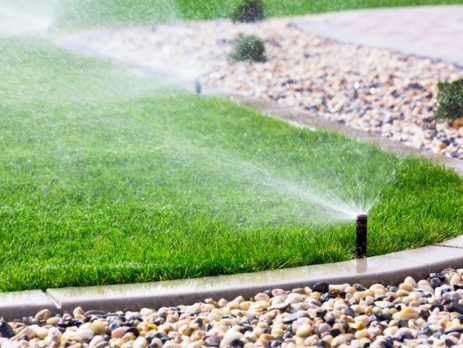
pixel 431 31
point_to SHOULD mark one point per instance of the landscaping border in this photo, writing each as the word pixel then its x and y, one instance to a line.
pixel 388 269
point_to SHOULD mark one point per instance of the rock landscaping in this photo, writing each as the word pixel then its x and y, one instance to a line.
pixel 376 90
pixel 427 312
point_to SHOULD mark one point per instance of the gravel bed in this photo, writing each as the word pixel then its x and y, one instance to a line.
pixel 424 313
pixel 375 90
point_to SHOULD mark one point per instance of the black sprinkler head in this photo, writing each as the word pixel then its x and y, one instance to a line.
pixel 198 87
pixel 361 242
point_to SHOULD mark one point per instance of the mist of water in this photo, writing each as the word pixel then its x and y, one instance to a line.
pixel 307 195
pixel 26 18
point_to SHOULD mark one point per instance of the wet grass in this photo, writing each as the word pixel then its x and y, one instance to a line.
pixel 106 179
pixel 101 12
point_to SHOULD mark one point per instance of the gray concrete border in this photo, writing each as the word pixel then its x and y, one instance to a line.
pixel 389 268
pixel 23 303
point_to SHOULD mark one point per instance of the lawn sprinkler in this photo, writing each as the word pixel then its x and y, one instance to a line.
pixel 198 86
pixel 361 242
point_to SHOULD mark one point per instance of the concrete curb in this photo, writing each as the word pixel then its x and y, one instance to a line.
pixel 389 268
pixel 23 303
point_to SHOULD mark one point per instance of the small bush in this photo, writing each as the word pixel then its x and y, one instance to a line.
pixel 450 99
pixel 248 47
pixel 248 11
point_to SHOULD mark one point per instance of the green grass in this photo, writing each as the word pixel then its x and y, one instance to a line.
pixel 107 178
pixel 120 12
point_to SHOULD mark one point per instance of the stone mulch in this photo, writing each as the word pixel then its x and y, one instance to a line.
pixel 427 312
pixel 375 90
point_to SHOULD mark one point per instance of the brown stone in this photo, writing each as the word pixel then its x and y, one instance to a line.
pixel 119 332
pixel 458 122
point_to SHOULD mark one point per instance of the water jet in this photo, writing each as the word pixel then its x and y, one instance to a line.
pixel 361 240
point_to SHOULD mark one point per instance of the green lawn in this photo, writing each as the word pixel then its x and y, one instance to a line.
pixel 108 178
pixel 98 12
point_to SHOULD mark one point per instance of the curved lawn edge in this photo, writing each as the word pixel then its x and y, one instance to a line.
pixel 387 269
pixel 102 246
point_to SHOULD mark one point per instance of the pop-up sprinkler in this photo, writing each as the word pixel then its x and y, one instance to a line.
pixel 361 242
pixel 198 86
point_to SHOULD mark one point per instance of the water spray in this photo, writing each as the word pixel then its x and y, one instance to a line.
pixel 361 242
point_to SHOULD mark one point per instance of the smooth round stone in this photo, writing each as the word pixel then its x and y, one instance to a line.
pixel 99 326
pixel 171 344
pixel 322 328
pixel 96 340
pixel 75 345
pixel 27 332
pixel 278 292
pixel 53 321
pixel 406 287
pixel 455 279
pixel 435 282
pixel 410 281
pixel 232 339
pixel 6 330
pixel 339 288
pixel 145 312
pixel 262 297
pixel 424 330
pixel 194 309
pixel 451 296
pixel 140 342
pixel 407 313
pixel 84 334
pixel 54 337
pixel 259 306
pixel 425 286
pixel 304 330
pixel 342 340
pixel 119 332
pixel 185 330
pixel 41 332
pixel 44 314
pixel 78 313
pixel 321 287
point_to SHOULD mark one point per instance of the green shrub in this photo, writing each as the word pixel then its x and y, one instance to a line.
pixel 248 11
pixel 450 99
pixel 248 47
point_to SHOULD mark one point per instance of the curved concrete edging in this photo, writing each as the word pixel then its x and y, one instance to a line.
pixel 389 268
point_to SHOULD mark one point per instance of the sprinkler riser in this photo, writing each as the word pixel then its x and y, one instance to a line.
pixel 198 87
pixel 361 240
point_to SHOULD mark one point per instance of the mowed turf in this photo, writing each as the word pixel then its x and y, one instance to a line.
pixel 106 177
pixel 121 12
